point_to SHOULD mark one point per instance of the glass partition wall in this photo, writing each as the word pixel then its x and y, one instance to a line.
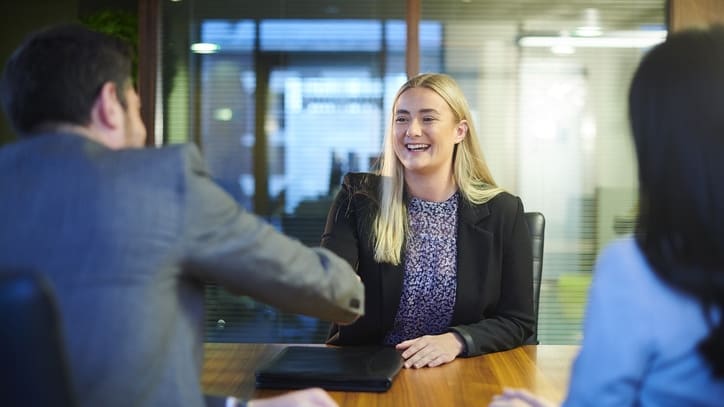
pixel 284 97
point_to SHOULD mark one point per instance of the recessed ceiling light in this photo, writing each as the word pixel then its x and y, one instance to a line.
pixel 591 26
pixel 614 39
pixel 204 48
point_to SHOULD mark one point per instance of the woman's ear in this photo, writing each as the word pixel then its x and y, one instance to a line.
pixel 461 131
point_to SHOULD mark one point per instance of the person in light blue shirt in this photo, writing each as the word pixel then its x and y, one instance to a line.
pixel 654 334
pixel 642 339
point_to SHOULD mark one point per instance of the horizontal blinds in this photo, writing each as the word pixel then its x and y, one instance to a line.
pixel 553 125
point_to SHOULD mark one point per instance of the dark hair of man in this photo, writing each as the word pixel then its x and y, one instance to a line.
pixel 676 108
pixel 55 76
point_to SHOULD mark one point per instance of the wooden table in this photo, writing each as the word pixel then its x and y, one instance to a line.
pixel 543 369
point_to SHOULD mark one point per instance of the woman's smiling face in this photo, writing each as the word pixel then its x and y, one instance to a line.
pixel 425 132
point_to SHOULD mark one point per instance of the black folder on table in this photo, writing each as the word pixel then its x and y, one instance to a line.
pixel 331 368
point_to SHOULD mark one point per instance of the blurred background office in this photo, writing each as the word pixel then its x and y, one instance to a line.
pixel 285 96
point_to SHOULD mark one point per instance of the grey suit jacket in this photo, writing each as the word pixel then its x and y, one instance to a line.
pixel 128 239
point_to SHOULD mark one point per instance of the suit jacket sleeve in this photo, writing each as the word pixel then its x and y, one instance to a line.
pixel 340 232
pixel 509 321
pixel 244 254
pixel 341 236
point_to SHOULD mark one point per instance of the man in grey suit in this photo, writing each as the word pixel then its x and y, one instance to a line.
pixel 128 236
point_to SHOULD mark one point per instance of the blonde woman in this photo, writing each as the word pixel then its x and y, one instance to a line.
pixel 444 253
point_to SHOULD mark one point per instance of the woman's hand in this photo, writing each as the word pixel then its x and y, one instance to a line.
pixel 431 350
pixel 519 398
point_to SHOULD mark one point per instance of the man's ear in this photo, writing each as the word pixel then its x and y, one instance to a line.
pixel 108 108
pixel 107 116
pixel 461 131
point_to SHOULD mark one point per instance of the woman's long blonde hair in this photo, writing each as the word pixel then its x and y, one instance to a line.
pixel 470 171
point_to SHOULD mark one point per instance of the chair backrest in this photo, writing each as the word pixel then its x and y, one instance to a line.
pixel 307 229
pixel 32 355
pixel 536 226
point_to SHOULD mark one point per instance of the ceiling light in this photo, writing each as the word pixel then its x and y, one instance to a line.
pixel 588 31
pixel 591 26
pixel 617 39
pixel 205 48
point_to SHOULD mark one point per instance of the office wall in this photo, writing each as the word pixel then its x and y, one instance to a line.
pixel 695 13
pixel 20 18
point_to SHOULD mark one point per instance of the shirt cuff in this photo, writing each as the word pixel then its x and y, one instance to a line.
pixel 234 402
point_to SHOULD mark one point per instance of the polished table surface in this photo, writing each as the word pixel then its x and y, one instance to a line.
pixel 543 369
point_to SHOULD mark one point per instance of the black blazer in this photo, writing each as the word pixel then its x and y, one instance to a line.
pixel 494 302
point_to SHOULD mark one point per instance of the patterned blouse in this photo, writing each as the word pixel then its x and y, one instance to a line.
pixel 429 284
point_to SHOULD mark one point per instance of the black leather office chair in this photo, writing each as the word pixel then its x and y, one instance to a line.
pixel 536 227
pixel 32 355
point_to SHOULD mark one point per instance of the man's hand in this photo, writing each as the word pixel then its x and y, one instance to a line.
pixel 431 350
pixel 342 323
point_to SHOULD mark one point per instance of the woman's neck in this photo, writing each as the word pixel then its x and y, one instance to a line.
pixel 434 188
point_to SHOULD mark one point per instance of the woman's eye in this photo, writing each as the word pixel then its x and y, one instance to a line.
pixel 400 119
pixel 428 119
